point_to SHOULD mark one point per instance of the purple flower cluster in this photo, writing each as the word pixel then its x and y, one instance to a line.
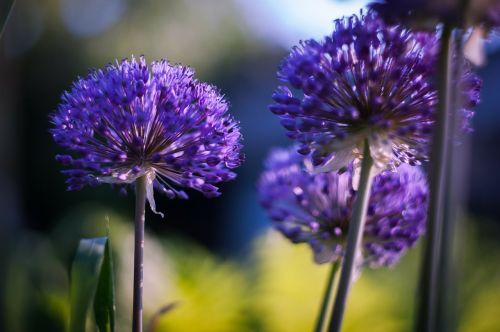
pixel 131 120
pixel 366 81
pixel 478 12
pixel 316 208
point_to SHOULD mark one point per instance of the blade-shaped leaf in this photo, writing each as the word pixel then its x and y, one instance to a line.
pixel 92 279
pixel 104 300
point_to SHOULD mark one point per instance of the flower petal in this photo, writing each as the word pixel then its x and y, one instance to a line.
pixel 339 159
pixel 474 46
pixel 150 177
pixel 380 150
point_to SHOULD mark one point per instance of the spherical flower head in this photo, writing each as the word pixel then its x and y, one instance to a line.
pixel 317 208
pixel 366 82
pixel 131 120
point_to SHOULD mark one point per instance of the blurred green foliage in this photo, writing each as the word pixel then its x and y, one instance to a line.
pixel 277 288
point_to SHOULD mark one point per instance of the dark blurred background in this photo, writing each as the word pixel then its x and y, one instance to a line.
pixel 234 44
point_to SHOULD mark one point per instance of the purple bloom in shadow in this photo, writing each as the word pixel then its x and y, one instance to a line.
pixel 424 13
pixel 316 208
pixel 131 120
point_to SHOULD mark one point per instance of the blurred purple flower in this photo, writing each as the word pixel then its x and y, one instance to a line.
pixel 316 208
pixel 422 13
pixel 481 15
pixel 367 81
pixel 426 13
pixel 131 120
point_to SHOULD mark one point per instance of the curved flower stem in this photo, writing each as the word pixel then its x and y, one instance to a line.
pixel 327 298
pixel 140 212
pixel 426 308
pixel 354 237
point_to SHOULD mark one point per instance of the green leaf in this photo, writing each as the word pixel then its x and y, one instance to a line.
pixel 92 279
pixel 104 300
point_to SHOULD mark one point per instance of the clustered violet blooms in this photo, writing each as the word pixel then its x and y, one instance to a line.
pixel 367 81
pixel 317 208
pixel 360 102
pixel 368 91
pixel 132 120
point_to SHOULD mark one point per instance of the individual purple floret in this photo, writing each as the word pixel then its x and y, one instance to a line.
pixel 131 120
pixel 366 81
pixel 316 208
pixel 470 87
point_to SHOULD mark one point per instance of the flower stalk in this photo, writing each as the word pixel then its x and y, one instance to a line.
pixel 456 170
pixel 327 298
pixel 355 234
pixel 426 308
pixel 140 212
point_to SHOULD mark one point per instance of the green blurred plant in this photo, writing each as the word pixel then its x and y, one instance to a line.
pixel 35 286
pixel 290 287
pixel 278 289
pixel 92 284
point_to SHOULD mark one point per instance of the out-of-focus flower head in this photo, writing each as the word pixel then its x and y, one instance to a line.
pixel 426 13
pixel 316 208
pixel 366 81
pixel 131 120
pixel 480 15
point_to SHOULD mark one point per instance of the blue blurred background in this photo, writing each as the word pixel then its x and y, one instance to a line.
pixel 237 45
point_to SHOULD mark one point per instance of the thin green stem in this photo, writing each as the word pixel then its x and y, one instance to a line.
pixel 327 298
pixel 426 307
pixel 354 237
pixel 140 216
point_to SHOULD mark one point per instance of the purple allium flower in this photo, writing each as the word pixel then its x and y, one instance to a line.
pixel 131 120
pixel 426 13
pixel 366 81
pixel 316 208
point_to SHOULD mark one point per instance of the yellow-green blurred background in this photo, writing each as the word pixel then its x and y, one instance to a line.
pixel 216 259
